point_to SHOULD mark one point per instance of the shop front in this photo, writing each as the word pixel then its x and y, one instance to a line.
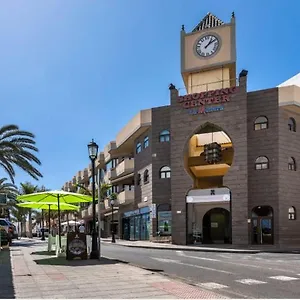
pixel 136 224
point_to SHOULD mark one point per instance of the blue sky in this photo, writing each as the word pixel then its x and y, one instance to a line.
pixel 75 70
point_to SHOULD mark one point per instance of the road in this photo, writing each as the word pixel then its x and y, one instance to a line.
pixel 263 275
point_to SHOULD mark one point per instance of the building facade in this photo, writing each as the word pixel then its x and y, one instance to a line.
pixel 217 165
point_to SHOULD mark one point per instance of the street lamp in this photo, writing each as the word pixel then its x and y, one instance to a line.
pixel 112 203
pixel 93 151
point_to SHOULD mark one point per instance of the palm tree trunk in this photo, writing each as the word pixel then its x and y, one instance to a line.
pixel 30 224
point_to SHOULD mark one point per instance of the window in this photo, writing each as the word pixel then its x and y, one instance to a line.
pixel 292 124
pixel 138 179
pixel 146 142
pixel 261 163
pixel 138 148
pixel 146 176
pixel 261 123
pixel 111 164
pixel 292 164
pixel 165 172
pixel 128 187
pixel 164 136
pixel 292 213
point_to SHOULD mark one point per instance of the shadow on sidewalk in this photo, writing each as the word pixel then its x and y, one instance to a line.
pixel 25 243
pixel 62 261
pixel 46 253
pixel 6 279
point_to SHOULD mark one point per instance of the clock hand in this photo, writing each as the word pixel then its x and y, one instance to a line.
pixel 211 41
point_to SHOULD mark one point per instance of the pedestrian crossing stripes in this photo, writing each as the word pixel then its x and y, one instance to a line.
pixel 284 278
pixel 213 285
pixel 250 281
pixel 246 281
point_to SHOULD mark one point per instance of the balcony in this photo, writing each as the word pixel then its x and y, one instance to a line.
pixel 89 170
pixel 125 167
pixel 109 174
pixel 126 197
pixel 100 161
pixel 108 149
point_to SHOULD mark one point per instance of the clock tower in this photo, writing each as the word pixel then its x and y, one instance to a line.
pixel 208 55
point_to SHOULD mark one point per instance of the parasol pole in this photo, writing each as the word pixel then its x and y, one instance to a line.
pixel 59 229
pixel 49 218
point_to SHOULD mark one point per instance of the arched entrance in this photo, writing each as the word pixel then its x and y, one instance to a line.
pixel 262 225
pixel 216 226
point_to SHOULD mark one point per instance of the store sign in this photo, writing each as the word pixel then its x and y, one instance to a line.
pixel 164 222
pixel 76 246
pixel 207 102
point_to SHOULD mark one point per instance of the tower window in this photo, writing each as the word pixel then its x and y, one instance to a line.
pixel 292 124
pixel 292 164
pixel 165 172
pixel 260 123
pixel 292 213
pixel 261 163
pixel 138 148
pixel 146 176
pixel 146 142
pixel 138 179
pixel 164 136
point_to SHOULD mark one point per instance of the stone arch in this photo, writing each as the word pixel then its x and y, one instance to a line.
pixel 217 133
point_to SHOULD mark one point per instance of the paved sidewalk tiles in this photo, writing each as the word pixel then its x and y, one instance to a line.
pixel 32 274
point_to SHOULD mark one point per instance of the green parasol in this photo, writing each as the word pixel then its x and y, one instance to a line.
pixel 56 196
pixel 49 206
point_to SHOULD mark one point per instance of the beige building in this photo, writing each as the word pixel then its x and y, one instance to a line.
pixel 217 165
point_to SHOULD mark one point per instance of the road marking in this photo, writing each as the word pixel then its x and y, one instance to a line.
pixel 212 285
pixel 284 278
pixel 242 264
pixel 180 253
pixel 197 257
pixel 189 265
pixel 250 281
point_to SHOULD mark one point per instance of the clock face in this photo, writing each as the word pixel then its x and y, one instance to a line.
pixel 207 45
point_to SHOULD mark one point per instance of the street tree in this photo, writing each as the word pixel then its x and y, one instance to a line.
pixel 17 148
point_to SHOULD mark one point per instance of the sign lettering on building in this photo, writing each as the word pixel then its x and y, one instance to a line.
pixel 204 102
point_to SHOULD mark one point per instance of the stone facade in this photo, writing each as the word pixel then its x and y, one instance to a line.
pixel 233 120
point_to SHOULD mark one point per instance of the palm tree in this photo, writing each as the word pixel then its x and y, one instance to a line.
pixel 16 147
pixel 29 188
pixel 10 192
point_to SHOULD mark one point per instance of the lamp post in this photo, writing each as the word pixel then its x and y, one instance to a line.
pixel 112 203
pixel 93 151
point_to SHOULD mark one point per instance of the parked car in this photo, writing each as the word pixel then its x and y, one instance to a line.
pixel 14 230
pixel 8 228
pixel 3 236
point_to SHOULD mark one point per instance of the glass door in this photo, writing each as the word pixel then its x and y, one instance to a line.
pixel 266 231
pixel 262 231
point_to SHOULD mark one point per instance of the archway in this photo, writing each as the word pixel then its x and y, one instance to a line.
pixel 262 225
pixel 216 226
pixel 208 156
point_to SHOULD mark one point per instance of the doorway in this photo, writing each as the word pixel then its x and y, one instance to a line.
pixel 216 226
pixel 262 225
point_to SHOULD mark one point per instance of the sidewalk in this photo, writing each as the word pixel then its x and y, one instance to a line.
pixel 36 274
pixel 225 248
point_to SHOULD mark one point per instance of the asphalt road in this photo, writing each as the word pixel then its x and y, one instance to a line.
pixel 264 275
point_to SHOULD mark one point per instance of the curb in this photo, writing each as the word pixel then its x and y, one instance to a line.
pixel 209 249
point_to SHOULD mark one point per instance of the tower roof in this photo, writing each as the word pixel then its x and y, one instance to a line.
pixel 209 21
